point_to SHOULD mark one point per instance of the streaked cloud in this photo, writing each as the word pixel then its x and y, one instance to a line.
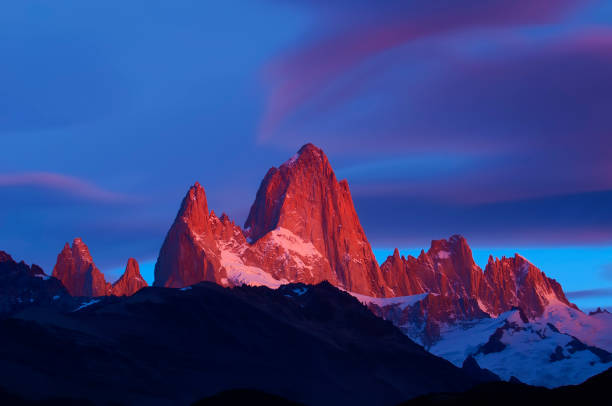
pixel 581 219
pixel 520 96
pixel 580 294
pixel 64 184
pixel 352 34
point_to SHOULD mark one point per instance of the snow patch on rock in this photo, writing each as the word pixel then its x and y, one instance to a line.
pixel 238 273
pixel 594 330
pixel 86 304
pixel 401 301
pixel 293 244
pixel 444 255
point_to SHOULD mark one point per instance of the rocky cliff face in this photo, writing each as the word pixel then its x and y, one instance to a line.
pixel 130 282
pixel 447 269
pixel 517 282
pixel 191 251
pixel 302 227
pixel 303 200
pixel 78 273
pixel 459 290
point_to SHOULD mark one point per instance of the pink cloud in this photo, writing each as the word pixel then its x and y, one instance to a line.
pixel 298 77
pixel 65 184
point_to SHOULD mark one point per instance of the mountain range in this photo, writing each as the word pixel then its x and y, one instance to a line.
pixel 302 237
pixel 311 343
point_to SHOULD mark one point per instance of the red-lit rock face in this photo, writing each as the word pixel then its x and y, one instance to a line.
pixel 78 273
pixel 304 199
pixel 302 228
pixel 448 269
pixel 516 282
pixel 190 252
pixel 459 290
pixel 130 282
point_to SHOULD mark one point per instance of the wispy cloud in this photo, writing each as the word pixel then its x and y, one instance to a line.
pixel 517 93
pixel 606 271
pixel 64 184
pixel 301 75
pixel 579 294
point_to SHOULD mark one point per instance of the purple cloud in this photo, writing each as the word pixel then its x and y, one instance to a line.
pixel 579 294
pixel 580 219
pixel 530 113
pixel 63 184
pixel 373 29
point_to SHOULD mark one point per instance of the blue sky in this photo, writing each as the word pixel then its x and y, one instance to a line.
pixel 487 118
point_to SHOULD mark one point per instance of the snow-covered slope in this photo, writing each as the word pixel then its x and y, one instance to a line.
pixel 562 347
pixel 595 329
pixel 400 301
pixel 535 352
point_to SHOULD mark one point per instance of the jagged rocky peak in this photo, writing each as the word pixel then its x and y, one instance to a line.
pixel 515 281
pixel 597 311
pixel 447 268
pixel 281 200
pixel 131 281
pixel 304 200
pixel 194 208
pixel 396 254
pixel 456 248
pixel 80 252
pixel 302 227
pixel 190 251
pixel 461 290
pixel 78 273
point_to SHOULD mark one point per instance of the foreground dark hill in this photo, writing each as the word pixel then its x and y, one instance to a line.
pixel 312 344
pixel 594 391
pixel 22 285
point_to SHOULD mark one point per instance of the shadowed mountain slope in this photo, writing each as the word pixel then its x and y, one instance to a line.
pixel 312 344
